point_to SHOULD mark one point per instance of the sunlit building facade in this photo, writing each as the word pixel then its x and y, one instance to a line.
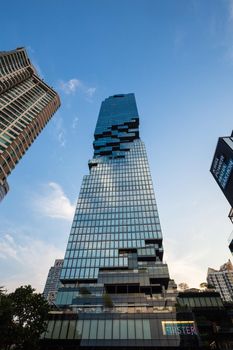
pixel 26 105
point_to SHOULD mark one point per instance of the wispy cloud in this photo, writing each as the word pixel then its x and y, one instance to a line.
pixel 70 86
pixel 228 31
pixel 54 203
pixel 179 39
pixel 7 248
pixel 90 91
pixel 230 10
pixel 59 130
pixel 31 53
pixel 73 85
pixel 75 123
pixel 186 267
pixel 25 260
pixel 38 68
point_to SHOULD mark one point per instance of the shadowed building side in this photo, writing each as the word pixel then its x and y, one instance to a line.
pixel 222 280
pixel 222 168
pixel 53 281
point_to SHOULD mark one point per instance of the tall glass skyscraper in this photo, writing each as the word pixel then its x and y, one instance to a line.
pixel 116 226
pixel 116 288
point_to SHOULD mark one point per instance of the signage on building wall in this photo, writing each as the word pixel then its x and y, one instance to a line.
pixel 222 169
pixel 179 328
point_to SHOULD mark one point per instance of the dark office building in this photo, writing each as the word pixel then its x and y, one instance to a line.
pixel 213 317
pixel 222 168
pixel 116 288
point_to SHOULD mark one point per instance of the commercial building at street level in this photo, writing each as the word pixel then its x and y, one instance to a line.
pixel 26 105
pixel 222 168
pixel 116 291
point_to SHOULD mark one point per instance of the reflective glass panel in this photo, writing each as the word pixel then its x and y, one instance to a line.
pixel 131 329
pixel 64 329
pixel 123 329
pixel 71 331
pixel 93 329
pixel 116 330
pixel 100 334
pixel 138 329
pixel 86 329
pixel 146 329
pixel 78 330
pixel 49 331
pixel 108 329
pixel 56 330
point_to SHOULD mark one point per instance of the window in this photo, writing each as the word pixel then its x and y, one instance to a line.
pixel 116 329
pixel 64 329
pixel 71 331
pixel 78 330
pixel 93 329
pixel 123 329
pixel 138 329
pixel 146 329
pixel 100 333
pixel 108 329
pixel 86 328
pixel 56 330
pixel 49 331
pixel 131 329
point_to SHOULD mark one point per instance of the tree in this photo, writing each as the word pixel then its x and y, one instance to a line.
pixel 23 315
pixel 84 291
pixel 6 320
pixel 107 301
pixel 183 286
pixel 203 286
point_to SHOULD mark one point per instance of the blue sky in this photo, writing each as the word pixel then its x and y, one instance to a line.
pixel 177 57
